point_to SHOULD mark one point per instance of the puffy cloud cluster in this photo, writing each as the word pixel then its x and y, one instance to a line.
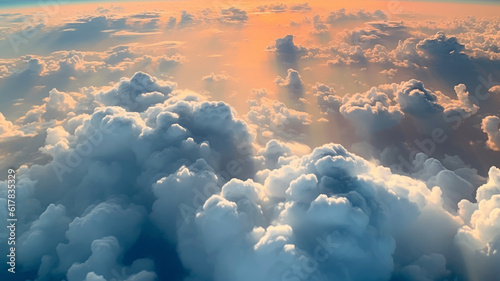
pixel 327 99
pixel 478 35
pixel 390 45
pixel 85 230
pixel 274 119
pixel 372 111
pixel 439 45
pixel 418 101
pixel 456 184
pixel 332 208
pixel 385 106
pixel 180 174
pixel 478 238
pixel 137 93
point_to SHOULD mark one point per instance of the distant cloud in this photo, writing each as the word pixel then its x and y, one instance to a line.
pixel 212 77
pixel 292 81
pixel 286 45
pixel 343 15
pixel 372 111
pixel 281 7
pixel 233 15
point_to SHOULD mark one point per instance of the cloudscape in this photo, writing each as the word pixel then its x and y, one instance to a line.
pixel 221 140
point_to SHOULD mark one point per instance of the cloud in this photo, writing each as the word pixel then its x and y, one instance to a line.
pixel 180 172
pixel 216 77
pixel 56 106
pixel 233 15
pixel 415 99
pixel 372 111
pixel 377 32
pixel 274 119
pixel 286 45
pixel 327 100
pixel 98 220
pixel 317 204
pixel 136 94
pixel 186 19
pixel 452 183
pixel 9 131
pixel 490 126
pixel 343 15
pixel 293 81
pixel 439 45
pixel 276 8
pixel 478 238
pixel 281 7
pixel 114 170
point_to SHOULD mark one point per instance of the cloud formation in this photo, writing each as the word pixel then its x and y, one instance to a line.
pixel 142 179
pixel 186 168
pixel 490 126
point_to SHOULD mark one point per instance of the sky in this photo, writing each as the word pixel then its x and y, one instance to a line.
pixel 251 140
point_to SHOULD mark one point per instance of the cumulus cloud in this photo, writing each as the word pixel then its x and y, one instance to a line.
pixel 97 222
pixel 286 45
pixel 181 172
pixel 137 93
pixel 233 15
pixel 327 99
pixel 287 52
pixel 274 119
pixel 385 106
pixel 453 183
pixel 10 131
pixel 293 81
pixel 439 45
pixel 490 126
pixel 372 111
pixel 415 99
pixel 478 238
pixel 5 125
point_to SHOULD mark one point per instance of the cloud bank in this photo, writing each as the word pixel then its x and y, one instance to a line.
pixel 152 163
